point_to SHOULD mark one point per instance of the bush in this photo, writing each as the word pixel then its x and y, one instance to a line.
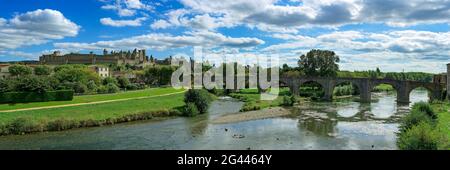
pixel 123 82
pixel 190 110
pixel 112 88
pixel 80 88
pixel 42 70
pixel 426 108
pixel 91 86
pixel 24 125
pixel 64 95
pixel 62 124
pixel 110 80
pixel 288 100
pixel 20 70
pixel 102 89
pixel 420 137
pixel 32 83
pixel 26 97
pixel 413 119
pixel 200 97
pixel 5 85
pixel 132 87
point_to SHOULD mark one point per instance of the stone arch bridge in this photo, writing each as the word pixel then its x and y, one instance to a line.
pixel 365 86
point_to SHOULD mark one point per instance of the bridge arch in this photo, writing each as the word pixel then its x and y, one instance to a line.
pixel 308 88
pixel 355 87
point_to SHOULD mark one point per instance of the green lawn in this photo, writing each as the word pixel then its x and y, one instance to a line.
pixel 102 111
pixel 92 98
pixel 444 119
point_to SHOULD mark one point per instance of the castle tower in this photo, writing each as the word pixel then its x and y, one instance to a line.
pixel 448 81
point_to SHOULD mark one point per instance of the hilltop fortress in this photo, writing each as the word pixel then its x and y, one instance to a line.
pixel 137 57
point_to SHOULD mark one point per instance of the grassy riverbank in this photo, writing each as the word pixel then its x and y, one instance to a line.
pixel 443 110
pixel 253 101
pixel 69 117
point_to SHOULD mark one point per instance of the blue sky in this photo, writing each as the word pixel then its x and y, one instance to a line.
pixel 394 35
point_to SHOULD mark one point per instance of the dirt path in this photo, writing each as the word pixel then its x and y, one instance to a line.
pixel 89 103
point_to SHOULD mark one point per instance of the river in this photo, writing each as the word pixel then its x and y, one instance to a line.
pixel 342 124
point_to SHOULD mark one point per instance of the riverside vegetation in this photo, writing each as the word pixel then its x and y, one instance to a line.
pixel 422 129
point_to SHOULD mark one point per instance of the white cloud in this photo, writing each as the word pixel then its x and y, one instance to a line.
pixel 167 41
pixel 126 8
pixel 394 50
pixel 35 27
pixel 122 23
pixel 268 15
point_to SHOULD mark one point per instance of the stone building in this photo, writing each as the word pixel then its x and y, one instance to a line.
pixel 4 71
pixel 102 71
pixel 136 58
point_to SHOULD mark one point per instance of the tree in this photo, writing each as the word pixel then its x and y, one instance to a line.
pixel 5 86
pixel 42 70
pixel 110 80
pixel 319 63
pixel 200 97
pixel 20 70
pixel 76 75
pixel 158 75
pixel 123 82
pixel 32 83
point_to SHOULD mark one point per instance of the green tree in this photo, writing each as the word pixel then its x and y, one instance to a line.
pixel 31 83
pixel 110 80
pixel 158 75
pixel 319 63
pixel 76 75
pixel 123 82
pixel 200 97
pixel 42 70
pixel 5 85
pixel 20 70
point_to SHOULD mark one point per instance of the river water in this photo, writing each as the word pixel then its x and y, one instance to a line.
pixel 342 124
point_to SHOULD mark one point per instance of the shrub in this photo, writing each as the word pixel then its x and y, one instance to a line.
pixel 20 70
pixel 42 70
pixel 426 108
pixel 102 89
pixel 190 110
pixel 64 95
pixel 80 88
pixel 132 87
pixel 91 86
pixel 32 83
pixel 413 119
pixel 123 82
pixel 288 100
pixel 112 88
pixel 110 80
pixel 200 97
pixel 24 125
pixel 25 97
pixel 420 137
pixel 62 124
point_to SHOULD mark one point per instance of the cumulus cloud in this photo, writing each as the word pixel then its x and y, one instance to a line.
pixel 35 27
pixel 408 41
pixel 167 41
pixel 126 7
pixel 269 15
pixel 122 23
